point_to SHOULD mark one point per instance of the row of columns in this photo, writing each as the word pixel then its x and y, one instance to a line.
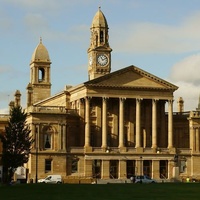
pixel 194 139
pixel 121 122
pixel 138 167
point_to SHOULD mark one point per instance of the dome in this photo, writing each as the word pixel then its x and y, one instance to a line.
pixel 40 53
pixel 99 20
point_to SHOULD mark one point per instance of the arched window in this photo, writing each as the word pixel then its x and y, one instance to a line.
pixel 47 141
pixel 48 137
pixel 41 74
pixel 101 36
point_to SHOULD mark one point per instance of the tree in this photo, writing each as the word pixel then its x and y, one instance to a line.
pixel 17 143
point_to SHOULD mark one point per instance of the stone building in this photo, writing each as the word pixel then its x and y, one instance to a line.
pixel 114 125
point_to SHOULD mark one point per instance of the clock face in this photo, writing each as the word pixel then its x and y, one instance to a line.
pixel 102 60
pixel 90 60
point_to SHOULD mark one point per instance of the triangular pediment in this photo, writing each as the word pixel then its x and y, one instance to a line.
pixel 131 77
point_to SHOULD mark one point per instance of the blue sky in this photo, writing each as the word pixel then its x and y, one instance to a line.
pixel 161 37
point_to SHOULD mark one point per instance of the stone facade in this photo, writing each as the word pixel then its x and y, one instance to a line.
pixel 115 125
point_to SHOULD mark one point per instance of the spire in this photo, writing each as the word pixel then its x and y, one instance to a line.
pixel 99 51
pixel 99 30
pixel 40 53
pixel 99 20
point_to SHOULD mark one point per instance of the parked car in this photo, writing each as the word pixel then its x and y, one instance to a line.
pixel 144 179
pixel 51 179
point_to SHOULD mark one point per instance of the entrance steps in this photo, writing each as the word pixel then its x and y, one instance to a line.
pixel 111 181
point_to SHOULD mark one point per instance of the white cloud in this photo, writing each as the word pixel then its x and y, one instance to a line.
pixel 185 74
pixel 5 21
pixel 46 5
pixel 159 38
pixel 5 69
pixel 39 4
pixel 187 70
pixel 190 94
pixel 4 111
pixel 38 25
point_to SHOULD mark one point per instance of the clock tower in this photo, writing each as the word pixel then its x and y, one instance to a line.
pixel 99 52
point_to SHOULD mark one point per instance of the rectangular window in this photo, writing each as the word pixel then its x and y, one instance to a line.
pixel 182 166
pixel 130 168
pixel 75 164
pixel 96 168
pixel 147 168
pixel 114 167
pixel 163 169
pixel 48 165
pixel 47 141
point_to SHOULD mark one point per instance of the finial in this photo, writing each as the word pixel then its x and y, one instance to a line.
pixel 99 7
pixel 40 40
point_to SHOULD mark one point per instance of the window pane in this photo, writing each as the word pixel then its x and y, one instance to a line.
pixel 48 165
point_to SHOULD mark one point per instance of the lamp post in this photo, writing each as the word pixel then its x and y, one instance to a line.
pixel 36 156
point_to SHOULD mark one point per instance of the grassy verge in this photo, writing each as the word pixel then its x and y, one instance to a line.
pixel 168 191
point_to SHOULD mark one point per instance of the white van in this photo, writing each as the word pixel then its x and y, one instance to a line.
pixel 51 179
pixel 144 179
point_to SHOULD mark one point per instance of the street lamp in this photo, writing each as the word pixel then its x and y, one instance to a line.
pixel 36 155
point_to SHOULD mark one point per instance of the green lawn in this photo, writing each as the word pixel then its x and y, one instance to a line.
pixel 161 191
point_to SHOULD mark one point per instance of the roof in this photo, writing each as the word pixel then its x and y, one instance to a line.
pixel 131 77
pixel 40 53
pixel 99 20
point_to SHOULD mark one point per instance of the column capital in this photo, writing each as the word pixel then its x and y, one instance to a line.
pixel 139 99
pixel 105 98
pixel 88 98
pixel 170 100
pixel 155 100
pixel 122 98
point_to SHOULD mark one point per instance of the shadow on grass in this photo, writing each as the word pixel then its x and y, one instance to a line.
pixel 161 191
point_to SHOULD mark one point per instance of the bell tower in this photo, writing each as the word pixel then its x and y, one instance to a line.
pixel 39 87
pixel 99 52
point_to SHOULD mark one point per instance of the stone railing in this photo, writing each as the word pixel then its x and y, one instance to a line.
pixel 4 117
pixel 51 109
pixel 76 149
pixel 184 150
pixel 97 149
pixel 131 149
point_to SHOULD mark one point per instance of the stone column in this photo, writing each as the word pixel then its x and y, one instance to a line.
pixel 122 169
pixel 104 122
pixel 34 134
pixel 155 169
pixel 60 136
pixel 154 123
pixel 39 138
pixel 87 122
pixel 121 122
pixel 138 128
pixel 192 139
pixel 139 166
pixel 170 124
pixel 105 169
pixel 170 169
pixel 144 138
pixel 197 139
pixel 88 168
pixel 64 134
pixel 82 124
